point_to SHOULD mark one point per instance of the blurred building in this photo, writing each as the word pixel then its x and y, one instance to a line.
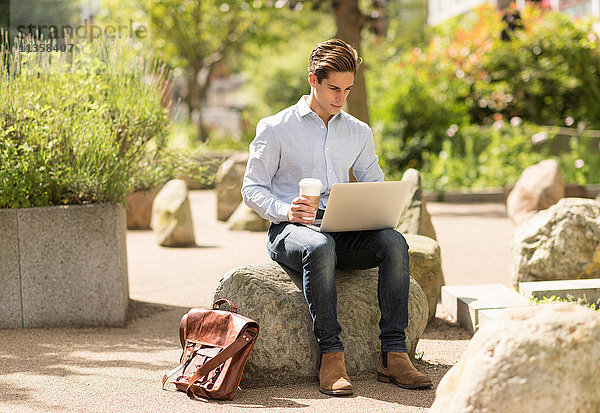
pixel 441 10
pixel 222 101
pixel 223 104
pixel 575 8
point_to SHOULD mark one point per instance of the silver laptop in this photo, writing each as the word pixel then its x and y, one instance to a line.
pixel 363 206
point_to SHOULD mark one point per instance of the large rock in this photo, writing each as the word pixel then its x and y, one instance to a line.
pixel 228 184
pixel 139 209
pixel 415 218
pixel 560 243
pixel 426 267
pixel 539 187
pixel 543 358
pixel 172 216
pixel 246 219
pixel 286 348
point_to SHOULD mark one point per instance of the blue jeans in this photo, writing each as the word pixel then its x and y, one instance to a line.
pixel 315 255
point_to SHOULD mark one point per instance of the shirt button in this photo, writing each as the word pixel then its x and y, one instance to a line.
pixel 322 126
pixel 327 148
pixel 330 171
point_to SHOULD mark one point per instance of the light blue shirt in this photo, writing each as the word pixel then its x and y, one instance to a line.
pixel 295 144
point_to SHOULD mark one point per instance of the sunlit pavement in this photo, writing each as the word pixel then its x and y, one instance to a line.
pixel 120 369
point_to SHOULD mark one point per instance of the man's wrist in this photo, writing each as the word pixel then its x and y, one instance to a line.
pixel 288 211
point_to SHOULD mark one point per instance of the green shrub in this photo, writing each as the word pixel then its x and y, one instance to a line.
pixel 413 113
pixel 494 156
pixel 583 302
pixel 548 72
pixel 81 127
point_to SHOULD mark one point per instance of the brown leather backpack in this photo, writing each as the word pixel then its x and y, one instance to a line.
pixel 216 345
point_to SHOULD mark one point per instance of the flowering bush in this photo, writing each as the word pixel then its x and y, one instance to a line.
pixel 547 74
pixel 548 71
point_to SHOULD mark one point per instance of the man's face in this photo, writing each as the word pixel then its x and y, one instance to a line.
pixel 332 92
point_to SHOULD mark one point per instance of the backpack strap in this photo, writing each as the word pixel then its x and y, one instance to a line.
pixel 202 373
pixel 181 366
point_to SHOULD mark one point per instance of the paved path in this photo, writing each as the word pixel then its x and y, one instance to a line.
pixel 475 241
pixel 474 238
pixel 119 369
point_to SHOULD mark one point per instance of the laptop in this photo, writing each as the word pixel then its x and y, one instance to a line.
pixel 364 206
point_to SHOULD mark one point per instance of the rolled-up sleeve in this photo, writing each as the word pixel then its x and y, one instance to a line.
pixel 263 162
pixel 366 167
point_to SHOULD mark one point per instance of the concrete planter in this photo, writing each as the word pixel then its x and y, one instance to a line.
pixel 139 209
pixel 63 266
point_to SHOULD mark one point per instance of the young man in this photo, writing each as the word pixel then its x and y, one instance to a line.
pixel 316 139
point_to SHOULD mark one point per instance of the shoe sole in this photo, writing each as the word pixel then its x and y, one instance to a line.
pixel 336 392
pixel 388 379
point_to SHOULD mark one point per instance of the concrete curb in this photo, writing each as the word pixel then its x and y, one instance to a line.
pixel 484 195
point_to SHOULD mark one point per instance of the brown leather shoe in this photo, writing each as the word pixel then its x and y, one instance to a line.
pixel 401 372
pixel 333 379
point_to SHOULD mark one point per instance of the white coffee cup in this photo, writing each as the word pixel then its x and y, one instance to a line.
pixel 311 188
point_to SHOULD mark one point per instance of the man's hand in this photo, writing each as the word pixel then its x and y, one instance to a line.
pixel 301 211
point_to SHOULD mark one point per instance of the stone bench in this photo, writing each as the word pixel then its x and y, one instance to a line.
pixel 588 289
pixel 286 349
pixel 465 303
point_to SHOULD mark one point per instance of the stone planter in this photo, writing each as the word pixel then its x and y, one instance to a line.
pixel 63 266
pixel 139 209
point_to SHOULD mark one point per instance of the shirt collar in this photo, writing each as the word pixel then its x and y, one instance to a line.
pixel 304 109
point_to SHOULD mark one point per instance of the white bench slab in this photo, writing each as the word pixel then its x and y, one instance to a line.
pixel 588 289
pixel 464 302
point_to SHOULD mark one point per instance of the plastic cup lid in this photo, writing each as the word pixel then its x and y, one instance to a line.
pixel 311 182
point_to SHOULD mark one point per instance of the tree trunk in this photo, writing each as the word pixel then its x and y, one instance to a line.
pixel 349 22
pixel 188 98
pixel 196 91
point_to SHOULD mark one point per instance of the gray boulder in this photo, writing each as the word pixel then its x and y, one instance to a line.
pixel 538 187
pixel 245 218
pixel 426 267
pixel 543 358
pixel 228 184
pixel 172 216
pixel 415 218
pixel 286 348
pixel 560 243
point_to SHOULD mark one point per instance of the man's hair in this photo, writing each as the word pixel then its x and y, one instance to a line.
pixel 333 55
